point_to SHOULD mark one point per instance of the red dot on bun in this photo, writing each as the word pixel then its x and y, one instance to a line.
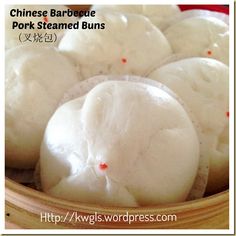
pixel 45 19
pixel 209 52
pixel 123 60
pixel 103 166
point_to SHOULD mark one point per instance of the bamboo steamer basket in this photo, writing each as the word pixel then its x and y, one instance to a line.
pixel 24 206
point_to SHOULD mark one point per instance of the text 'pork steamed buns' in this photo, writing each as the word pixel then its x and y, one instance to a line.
pixel 157 14
pixel 123 144
pixel 129 44
pixel 36 78
pixel 200 36
pixel 37 35
pixel 203 84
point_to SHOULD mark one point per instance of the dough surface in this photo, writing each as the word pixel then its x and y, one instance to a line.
pixel 203 84
pixel 158 14
pixel 200 37
pixel 122 144
pixel 129 44
pixel 36 78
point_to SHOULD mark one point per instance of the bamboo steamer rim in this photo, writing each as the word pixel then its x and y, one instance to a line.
pixel 207 213
pixel 15 188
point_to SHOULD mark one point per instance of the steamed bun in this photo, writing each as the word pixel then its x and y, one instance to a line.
pixel 36 78
pixel 12 35
pixel 129 44
pixel 122 144
pixel 203 84
pixel 157 14
pixel 200 36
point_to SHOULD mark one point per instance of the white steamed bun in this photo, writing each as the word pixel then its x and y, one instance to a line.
pixel 200 36
pixel 129 44
pixel 122 144
pixel 36 78
pixel 159 15
pixel 203 84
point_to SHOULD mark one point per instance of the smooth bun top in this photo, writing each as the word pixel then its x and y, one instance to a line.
pixel 158 14
pixel 203 84
pixel 36 79
pixel 123 144
pixel 200 37
pixel 129 44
